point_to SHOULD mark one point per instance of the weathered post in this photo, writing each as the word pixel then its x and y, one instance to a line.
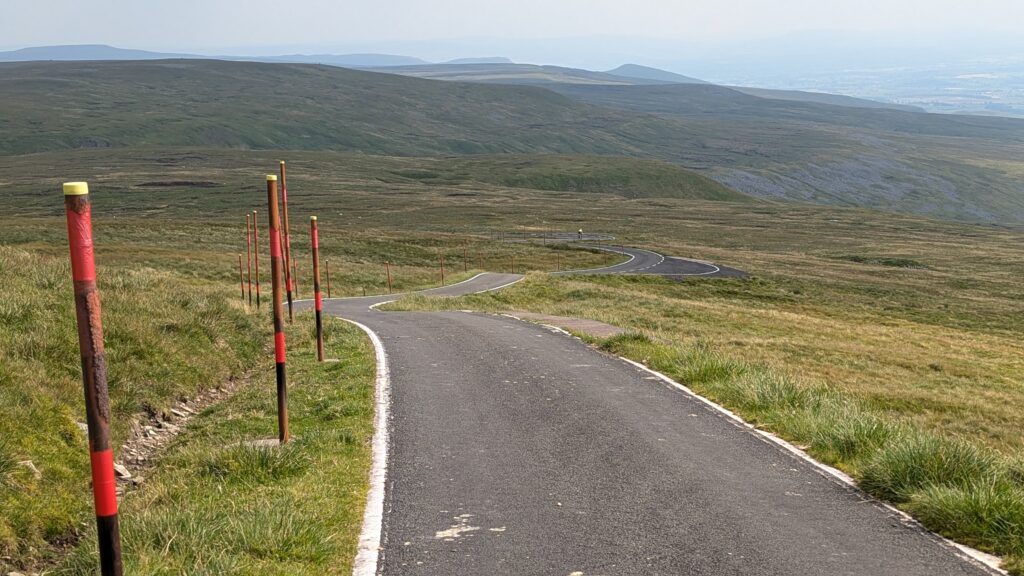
pixel 327 264
pixel 288 265
pixel 315 241
pixel 442 270
pixel 241 278
pixel 276 266
pixel 94 374
pixel 256 251
pixel 248 251
pixel 387 269
pixel 513 263
pixel 465 261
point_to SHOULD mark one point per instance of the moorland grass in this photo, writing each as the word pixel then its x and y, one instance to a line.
pixel 166 338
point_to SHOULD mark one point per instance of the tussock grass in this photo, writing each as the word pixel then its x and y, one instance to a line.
pixel 256 464
pixel 914 462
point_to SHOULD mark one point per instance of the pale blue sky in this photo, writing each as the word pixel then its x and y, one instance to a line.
pixel 192 25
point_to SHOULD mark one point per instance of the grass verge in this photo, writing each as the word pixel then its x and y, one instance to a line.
pixel 167 336
pixel 215 505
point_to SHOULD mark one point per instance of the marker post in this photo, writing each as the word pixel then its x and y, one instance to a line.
pixel 94 374
pixel 241 278
pixel 387 268
pixel 327 265
pixel 276 267
pixel 248 252
pixel 288 264
pixel 315 240
pixel 256 244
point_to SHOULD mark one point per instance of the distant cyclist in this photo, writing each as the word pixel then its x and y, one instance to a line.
pixel 579 235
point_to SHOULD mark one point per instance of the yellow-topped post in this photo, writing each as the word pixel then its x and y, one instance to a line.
pixel 78 207
pixel 76 188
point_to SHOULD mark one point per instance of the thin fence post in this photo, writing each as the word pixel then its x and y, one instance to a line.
pixel 288 264
pixel 315 241
pixel 94 374
pixel 248 252
pixel 387 268
pixel 241 278
pixel 327 265
pixel 513 263
pixel 276 266
pixel 465 261
pixel 442 270
pixel 256 253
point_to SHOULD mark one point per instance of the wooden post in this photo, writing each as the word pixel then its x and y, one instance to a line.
pixel 256 254
pixel 94 374
pixel 315 241
pixel 327 264
pixel 248 251
pixel 276 269
pixel 286 235
pixel 442 270
pixel 387 268
pixel 241 278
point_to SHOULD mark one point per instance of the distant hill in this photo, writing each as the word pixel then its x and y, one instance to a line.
pixel 344 60
pixel 822 98
pixel 100 52
pixel 84 52
pixel 499 73
pixel 492 60
pixel 648 73
pixel 962 167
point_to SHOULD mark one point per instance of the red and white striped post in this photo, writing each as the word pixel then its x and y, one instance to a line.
pixel 256 251
pixel 94 374
pixel 315 240
pixel 289 266
pixel 248 252
pixel 276 268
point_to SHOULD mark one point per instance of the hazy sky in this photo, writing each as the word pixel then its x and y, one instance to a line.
pixel 194 25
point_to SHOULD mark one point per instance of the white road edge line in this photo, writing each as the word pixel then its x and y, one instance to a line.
pixel 368 552
pixel 976 557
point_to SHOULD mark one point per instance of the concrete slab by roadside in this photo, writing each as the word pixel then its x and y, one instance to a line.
pixel 578 325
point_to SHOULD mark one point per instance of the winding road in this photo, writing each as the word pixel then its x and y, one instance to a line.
pixel 505 447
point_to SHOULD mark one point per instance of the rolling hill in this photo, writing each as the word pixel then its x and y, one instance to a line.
pixel 648 73
pixel 947 166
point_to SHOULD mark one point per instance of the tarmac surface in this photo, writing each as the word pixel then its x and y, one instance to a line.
pixel 505 447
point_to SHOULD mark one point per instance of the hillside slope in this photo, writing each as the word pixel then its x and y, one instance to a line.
pixel 945 166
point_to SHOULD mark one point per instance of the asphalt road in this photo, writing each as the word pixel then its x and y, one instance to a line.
pixel 514 449
pixel 649 262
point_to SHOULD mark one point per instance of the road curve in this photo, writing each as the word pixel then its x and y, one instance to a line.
pixel 649 262
pixel 516 449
